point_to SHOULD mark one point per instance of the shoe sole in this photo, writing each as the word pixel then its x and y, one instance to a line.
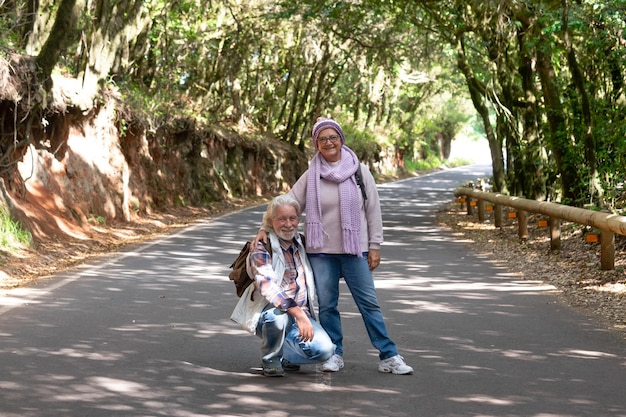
pixel 271 374
pixel 274 372
pixel 391 371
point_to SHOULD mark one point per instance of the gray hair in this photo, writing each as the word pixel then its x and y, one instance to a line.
pixel 276 202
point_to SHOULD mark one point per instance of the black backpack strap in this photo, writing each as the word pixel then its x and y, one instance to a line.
pixel 359 181
pixel 268 246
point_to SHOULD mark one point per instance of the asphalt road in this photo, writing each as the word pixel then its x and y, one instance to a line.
pixel 147 333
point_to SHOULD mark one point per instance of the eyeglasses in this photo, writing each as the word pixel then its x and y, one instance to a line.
pixel 290 219
pixel 333 139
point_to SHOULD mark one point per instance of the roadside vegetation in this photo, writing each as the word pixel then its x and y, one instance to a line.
pixel 12 236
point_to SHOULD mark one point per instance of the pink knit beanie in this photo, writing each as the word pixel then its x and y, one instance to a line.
pixel 323 123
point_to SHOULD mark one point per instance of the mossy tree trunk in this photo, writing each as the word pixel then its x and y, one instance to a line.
pixel 63 29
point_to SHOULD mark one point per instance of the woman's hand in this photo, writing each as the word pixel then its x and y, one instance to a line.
pixel 261 236
pixel 373 258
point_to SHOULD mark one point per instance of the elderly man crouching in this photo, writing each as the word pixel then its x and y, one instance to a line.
pixel 279 308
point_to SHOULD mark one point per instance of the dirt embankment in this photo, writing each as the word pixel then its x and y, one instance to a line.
pixel 85 187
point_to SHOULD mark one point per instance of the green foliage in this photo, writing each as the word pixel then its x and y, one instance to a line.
pixel 362 141
pixel 12 235
pixel 458 162
pixel 541 76
pixel 428 164
pixel 10 37
pixel 97 220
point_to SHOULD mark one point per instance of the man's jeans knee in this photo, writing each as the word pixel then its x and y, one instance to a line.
pixel 280 339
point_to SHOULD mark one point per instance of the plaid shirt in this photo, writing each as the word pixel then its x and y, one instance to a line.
pixel 283 292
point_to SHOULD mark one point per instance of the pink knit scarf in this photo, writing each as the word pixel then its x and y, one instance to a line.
pixel 349 203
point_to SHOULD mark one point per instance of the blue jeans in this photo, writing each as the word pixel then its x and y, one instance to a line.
pixel 281 340
pixel 328 269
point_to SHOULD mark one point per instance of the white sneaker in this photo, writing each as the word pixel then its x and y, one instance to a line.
pixel 395 365
pixel 333 364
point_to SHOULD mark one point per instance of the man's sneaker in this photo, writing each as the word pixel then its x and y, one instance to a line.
pixel 333 364
pixel 395 365
pixel 289 367
pixel 273 370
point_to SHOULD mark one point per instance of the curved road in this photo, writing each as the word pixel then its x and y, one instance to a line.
pixel 147 333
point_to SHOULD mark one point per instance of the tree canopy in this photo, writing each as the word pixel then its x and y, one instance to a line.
pixel 545 78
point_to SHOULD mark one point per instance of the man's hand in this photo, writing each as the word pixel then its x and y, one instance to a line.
pixel 306 329
pixel 373 258
pixel 303 322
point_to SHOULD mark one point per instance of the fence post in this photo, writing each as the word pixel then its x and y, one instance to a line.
pixel 555 233
pixel 481 210
pixel 607 250
pixel 522 225
pixel 469 205
pixel 497 212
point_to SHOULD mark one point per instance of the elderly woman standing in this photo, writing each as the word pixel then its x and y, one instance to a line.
pixel 344 231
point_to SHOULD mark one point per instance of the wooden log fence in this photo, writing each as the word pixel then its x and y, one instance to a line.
pixel 608 223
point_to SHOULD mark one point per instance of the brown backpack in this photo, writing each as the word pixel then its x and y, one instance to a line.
pixel 239 274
